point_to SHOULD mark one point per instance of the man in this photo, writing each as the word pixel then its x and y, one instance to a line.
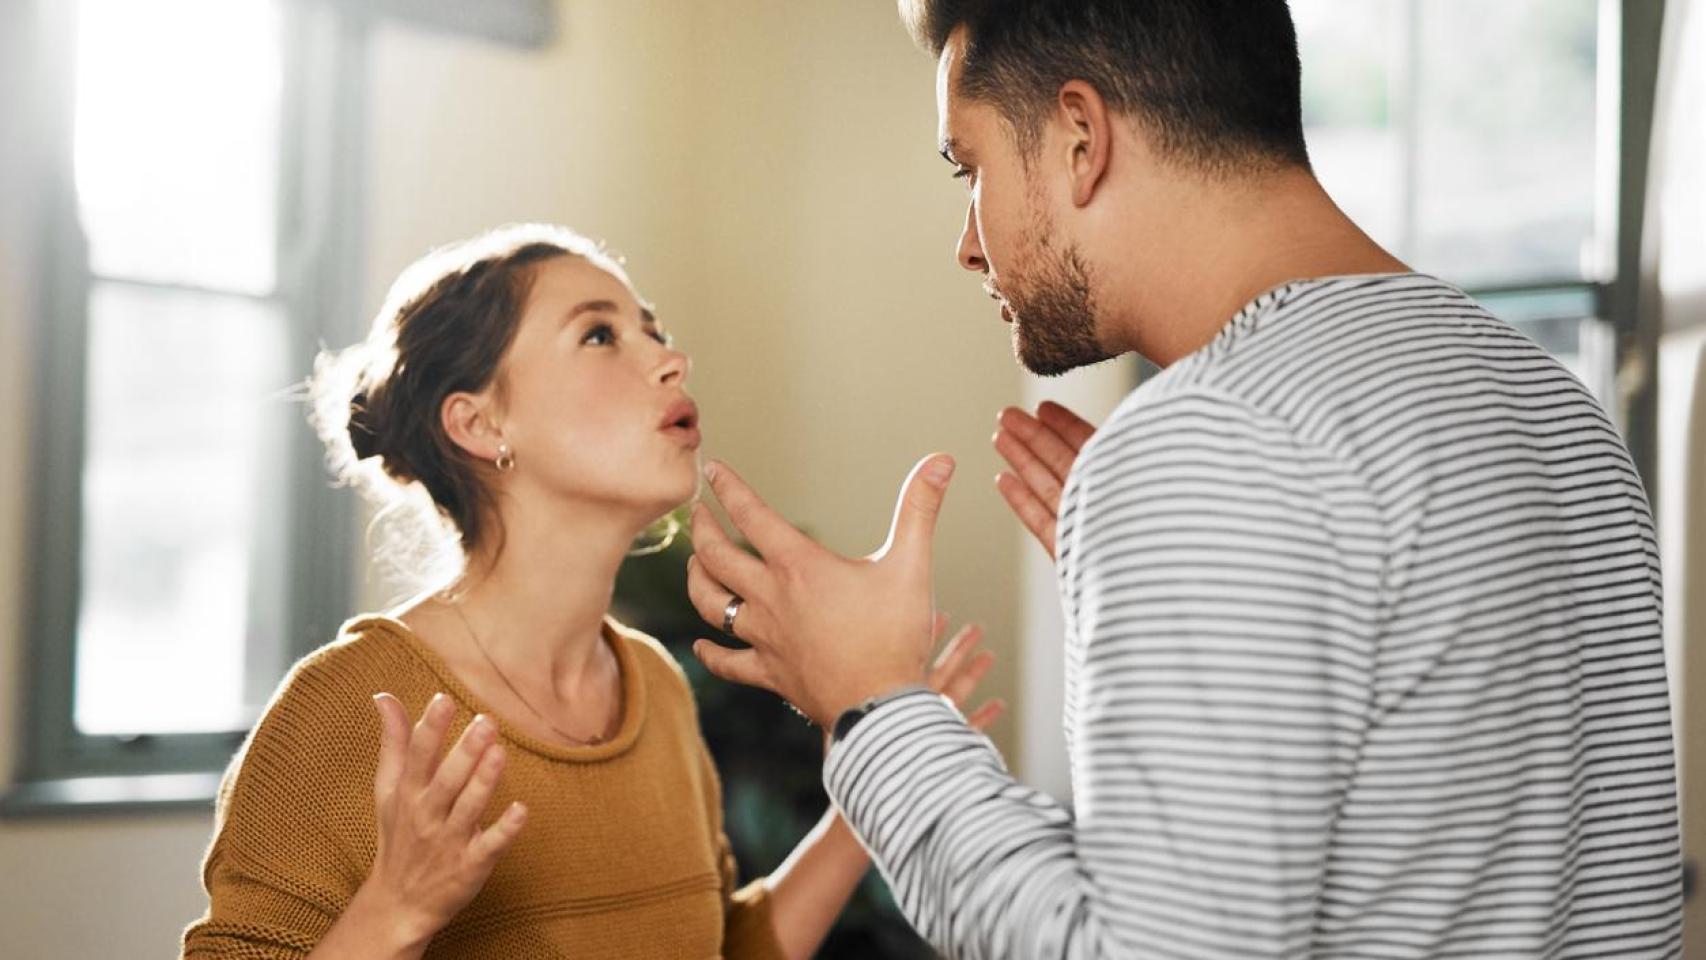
pixel 1361 593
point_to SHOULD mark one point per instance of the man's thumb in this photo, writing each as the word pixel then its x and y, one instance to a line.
pixel 920 503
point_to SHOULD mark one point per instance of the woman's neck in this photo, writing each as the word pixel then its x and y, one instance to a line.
pixel 538 596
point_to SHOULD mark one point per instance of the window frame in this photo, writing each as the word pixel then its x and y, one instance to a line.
pixel 320 241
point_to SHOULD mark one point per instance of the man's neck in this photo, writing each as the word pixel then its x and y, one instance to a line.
pixel 1231 243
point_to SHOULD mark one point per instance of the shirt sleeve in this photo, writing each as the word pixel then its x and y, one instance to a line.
pixel 1220 581
pixel 293 836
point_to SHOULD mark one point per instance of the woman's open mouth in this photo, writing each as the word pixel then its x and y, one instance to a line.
pixel 681 423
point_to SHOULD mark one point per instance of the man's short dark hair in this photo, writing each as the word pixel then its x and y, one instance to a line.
pixel 1215 82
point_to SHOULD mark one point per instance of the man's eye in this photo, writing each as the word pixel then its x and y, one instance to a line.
pixel 662 337
pixel 962 173
pixel 599 335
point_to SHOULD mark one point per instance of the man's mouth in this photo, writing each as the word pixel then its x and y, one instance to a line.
pixel 994 294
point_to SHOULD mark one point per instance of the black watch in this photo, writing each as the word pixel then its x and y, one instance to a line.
pixel 852 715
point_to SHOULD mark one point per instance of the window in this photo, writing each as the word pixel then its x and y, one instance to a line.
pixel 187 361
pixel 1501 147
pixel 204 239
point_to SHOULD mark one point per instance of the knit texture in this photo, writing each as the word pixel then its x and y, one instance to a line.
pixel 623 853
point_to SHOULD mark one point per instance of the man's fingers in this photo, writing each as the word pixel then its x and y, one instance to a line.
pixel 1071 427
pixel 449 781
pixel 985 716
pixel 393 745
pixel 476 793
pixel 711 599
pixel 495 839
pixel 1036 517
pixel 1040 477
pixel 425 741
pixel 726 562
pixel 737 666
pixel 920 504
pixel 762 527
pixel 1048 450
pixel 938 623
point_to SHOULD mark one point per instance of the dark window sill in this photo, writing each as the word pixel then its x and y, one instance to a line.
pixel 153 793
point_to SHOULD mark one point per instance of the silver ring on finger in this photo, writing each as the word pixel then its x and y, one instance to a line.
pixel 729 612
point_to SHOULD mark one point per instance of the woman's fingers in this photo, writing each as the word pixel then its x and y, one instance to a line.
pixel 491 842
pixel 985 716
pixel 451 778
pixel 425 742
pixel 1069 426
pixel 393 736
pixel 1032 512
pixel 962 683
pixel 954 654
pixel 476 790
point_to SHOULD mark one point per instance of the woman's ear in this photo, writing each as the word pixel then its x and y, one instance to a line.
pixel 467 420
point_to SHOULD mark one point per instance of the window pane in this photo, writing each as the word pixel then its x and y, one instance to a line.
pixel 1505 185
pixel 181 537
pixel 1461 134
pixel 177 117
pixel 1350 50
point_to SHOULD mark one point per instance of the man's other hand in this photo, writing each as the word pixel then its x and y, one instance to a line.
pixel 1040 449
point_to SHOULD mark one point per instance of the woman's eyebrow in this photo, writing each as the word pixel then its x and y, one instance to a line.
pixel 608 306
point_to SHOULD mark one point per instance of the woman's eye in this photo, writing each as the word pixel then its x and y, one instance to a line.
pixel 662 337
pixel 963 173
pixel 599 335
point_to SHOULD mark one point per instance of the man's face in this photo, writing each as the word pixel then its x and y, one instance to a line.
pixel 1010 238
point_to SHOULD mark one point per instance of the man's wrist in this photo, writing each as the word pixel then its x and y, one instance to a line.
pixel 847 719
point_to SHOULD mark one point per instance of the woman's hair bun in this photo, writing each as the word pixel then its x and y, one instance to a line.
pixel 363 435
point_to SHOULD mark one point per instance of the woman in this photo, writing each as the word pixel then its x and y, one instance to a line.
pixel 519 383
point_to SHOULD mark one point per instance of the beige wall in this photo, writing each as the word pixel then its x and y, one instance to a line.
pixel 783 204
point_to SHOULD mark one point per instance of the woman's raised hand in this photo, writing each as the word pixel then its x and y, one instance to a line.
pixel 1040 450
pixel 432 855
pixel 960 668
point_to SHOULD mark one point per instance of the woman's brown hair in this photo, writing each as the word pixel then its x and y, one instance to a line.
pixel 444 329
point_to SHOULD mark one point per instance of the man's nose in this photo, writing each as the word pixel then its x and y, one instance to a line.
pixel 970 252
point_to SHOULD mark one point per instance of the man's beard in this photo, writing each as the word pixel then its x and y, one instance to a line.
pixel 1054 317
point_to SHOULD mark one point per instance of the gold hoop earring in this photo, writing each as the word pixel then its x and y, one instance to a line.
pixel 506 460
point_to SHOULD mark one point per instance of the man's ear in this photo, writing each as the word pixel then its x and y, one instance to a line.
pixel 467 419
pixel 1089 137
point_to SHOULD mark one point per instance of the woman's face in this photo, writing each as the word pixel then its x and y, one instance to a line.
pixel 593 403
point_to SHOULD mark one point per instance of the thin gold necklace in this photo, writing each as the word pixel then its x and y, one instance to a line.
pixel 578 741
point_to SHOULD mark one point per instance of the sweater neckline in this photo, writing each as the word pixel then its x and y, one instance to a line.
pixel 628 667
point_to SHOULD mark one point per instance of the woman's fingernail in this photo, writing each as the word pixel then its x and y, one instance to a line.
pixel 710 470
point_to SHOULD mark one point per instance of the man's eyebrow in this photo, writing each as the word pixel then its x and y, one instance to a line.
pixel 948 149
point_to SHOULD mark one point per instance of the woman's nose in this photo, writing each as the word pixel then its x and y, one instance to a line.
pixel 675 367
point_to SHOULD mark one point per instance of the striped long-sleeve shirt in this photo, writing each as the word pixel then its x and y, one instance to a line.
pixel 1362 660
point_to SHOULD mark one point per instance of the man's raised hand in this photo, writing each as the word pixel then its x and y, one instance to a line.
pixel 1040 450
pixel 827 631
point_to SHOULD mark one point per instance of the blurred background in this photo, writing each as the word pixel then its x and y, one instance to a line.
pixel 195 195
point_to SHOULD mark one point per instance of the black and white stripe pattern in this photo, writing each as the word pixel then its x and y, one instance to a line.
pixel 1363 660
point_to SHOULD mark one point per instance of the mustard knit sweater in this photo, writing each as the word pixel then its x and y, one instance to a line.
pixel 623 853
